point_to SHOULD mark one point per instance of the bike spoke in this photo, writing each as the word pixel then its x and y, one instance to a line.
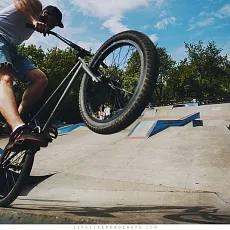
pixel 119 55
pixel 124 60
pixel 119 100
pixel 126 91
pixel 94 97
pixel 10 170
pixel 7 182
pixel 14 182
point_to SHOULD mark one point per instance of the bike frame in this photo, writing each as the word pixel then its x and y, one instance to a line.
pixel 67 80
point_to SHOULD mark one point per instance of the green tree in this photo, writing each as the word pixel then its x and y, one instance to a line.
pixel 36 56
pixel 132 72
pixel 164 91
pixel 166 66
pixel 207 70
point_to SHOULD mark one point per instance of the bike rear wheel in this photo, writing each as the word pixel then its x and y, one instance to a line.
pixel 127 67
pixel 15 168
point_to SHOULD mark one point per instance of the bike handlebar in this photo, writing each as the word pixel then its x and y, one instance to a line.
pixel 81 51
pixel 30 26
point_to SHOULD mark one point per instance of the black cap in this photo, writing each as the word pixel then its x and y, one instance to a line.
pixel 53 10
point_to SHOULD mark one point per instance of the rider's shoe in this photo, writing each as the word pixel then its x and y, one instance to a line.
pixel 23 138
pixel 6 129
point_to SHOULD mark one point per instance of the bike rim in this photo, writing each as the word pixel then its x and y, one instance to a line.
pixel 120 82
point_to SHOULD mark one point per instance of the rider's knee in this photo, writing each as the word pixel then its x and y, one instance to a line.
pixel 38 77
pixel 42 80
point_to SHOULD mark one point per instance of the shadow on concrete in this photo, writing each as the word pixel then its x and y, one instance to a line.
pixel 12 177
pixel 34 181
pixel 135 214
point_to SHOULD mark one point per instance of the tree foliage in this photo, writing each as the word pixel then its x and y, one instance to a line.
pixel 203 74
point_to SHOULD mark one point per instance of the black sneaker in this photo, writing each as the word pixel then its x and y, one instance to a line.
pixel 5 130
pixel 23 138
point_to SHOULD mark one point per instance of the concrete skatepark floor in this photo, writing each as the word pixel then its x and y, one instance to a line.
pixel 180 175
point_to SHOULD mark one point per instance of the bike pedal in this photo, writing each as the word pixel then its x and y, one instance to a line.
pixel 53 132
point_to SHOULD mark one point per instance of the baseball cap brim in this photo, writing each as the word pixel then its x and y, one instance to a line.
pixel 60 24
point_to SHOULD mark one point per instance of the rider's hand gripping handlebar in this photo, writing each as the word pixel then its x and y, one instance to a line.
pixel 81 52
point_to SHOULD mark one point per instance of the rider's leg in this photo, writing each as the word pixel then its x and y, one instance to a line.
pixel 21 138
pixel 37 84
pixel 8 107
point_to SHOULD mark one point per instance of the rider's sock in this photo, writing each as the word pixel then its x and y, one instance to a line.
pixel 18 127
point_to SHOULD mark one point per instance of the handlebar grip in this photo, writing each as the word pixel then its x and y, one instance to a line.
pixel 30 26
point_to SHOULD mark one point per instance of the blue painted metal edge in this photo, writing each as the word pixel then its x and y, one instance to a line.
pixel 151 129
pixel 197 123
pixel 163 124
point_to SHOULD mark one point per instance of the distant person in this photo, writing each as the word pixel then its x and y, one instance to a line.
pixel 100 113
pixel 107 112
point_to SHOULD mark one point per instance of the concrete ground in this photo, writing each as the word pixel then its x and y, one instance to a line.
pixel 180 175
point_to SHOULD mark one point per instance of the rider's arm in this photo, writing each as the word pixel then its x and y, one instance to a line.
pixel 31 9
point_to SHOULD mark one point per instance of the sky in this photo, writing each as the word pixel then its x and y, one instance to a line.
pixel 169 23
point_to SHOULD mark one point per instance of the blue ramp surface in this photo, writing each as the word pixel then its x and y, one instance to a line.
pixel 70 128
pixel 145 129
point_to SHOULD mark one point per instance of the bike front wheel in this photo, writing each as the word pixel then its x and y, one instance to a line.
pixel 127 68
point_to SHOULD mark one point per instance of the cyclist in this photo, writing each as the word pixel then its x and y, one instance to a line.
pixel 13 32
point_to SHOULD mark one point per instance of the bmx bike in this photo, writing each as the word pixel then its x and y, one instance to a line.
pixel 122 73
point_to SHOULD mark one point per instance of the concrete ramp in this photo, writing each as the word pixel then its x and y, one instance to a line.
pixel 212 122
pixel 142 130
pixel 214 110
pixel 164 110
pixel 219 109
pixel 145 129
pixel 147 113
